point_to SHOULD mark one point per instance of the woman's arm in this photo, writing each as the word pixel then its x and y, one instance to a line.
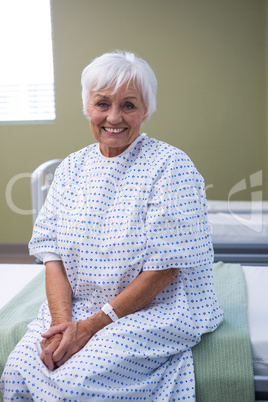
pixel 59 296
pixel 59 293
pixel 134 297
pixel 139 293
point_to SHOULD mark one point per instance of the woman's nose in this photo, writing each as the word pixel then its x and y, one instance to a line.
pixel 114 115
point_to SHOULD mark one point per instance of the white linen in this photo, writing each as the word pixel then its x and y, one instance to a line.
pixel 13 278
pixel 257 293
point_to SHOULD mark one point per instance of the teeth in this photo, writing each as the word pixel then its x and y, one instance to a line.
pixel 114 130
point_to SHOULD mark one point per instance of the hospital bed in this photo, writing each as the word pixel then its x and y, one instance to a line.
pixel 240 235
pixel 22 291
pixel 232 244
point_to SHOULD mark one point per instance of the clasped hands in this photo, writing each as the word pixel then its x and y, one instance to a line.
pixel 62 341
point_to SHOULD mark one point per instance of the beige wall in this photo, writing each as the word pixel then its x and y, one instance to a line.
pixel 209 58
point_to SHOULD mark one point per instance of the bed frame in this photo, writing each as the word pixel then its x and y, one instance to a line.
pixel 41 180
pixel 244 254
pixel 252 250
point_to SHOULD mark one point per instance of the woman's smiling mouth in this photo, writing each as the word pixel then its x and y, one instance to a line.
pixel 114 130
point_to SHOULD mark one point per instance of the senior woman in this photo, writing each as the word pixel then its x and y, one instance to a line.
pixel 124 237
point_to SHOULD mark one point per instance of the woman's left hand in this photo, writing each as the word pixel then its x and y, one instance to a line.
pixel 75 335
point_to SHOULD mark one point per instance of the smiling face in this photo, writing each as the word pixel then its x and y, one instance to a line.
pixel 116 118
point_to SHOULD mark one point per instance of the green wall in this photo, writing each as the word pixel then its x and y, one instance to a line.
pixel 209 57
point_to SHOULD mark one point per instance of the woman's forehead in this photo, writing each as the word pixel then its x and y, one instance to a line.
pixel 126 90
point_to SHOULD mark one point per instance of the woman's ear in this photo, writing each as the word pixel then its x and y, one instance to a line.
pixel 145 117
pixel 87 114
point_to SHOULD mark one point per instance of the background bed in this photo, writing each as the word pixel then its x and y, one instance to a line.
pixel 239 231
pixel 242 291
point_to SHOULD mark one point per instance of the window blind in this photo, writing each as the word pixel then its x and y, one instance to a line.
pixel 26 66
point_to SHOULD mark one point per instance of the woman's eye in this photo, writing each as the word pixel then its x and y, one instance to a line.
pixel 129 106
pixel 102 105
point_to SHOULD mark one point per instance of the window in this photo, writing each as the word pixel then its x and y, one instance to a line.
pixel 26 67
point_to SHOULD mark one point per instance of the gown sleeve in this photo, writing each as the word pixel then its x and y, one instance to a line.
pixel 44 237
pixel 178 233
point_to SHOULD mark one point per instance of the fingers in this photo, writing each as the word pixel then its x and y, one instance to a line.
pixel 57 329
pixel 43 343
pixel 63 360
pixel 55 346
pixel 51 343
pixel 61 351
pixel 48 349
pixel 47 360
pixel 64 352
pixel 68 345
pixel 63 341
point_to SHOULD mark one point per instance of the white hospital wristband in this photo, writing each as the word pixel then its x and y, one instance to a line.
pixel 108 310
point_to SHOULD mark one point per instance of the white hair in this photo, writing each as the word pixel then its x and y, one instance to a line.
pixel 112 70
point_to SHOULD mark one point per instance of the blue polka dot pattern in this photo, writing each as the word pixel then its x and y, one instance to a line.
pixel 108 219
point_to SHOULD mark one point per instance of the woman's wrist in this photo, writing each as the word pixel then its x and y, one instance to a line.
pixel 60 314
pixel 58 321
pixel 98 321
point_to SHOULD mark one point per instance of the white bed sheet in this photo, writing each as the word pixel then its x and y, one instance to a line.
pixel 256 282
pixel 15 276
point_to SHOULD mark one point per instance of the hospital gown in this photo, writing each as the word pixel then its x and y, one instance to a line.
pixel 109 219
